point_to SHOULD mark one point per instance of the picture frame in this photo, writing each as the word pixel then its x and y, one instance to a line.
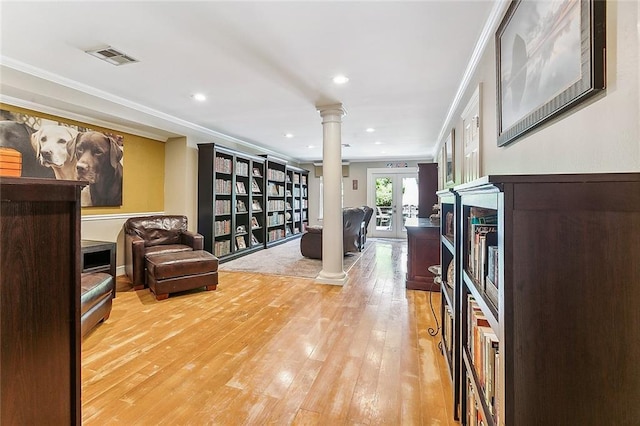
pixel 240 189
pixel 254 223
pixel 449 158
pixel 255 188
pixel 547 65
pixel 240 242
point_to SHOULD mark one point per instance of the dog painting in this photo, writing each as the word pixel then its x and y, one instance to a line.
pixel 98 162
pixel 52 149
pixel 55 147
pixel 17 136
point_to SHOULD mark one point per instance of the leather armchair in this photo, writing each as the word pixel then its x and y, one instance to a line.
pixel 311 241
pixel 368 213
pixel 150 235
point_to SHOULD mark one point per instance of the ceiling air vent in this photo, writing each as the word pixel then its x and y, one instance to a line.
pixel 346 145
pixel 112 56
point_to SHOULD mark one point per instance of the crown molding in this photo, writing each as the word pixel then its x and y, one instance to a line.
pixel 186 127
pixel 489 29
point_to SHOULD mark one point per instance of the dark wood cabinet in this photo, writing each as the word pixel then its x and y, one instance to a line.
pixel 427 187
pixel 40 301
pixel 557 343
pixel 423 250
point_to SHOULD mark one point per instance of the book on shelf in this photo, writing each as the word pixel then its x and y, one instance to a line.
pixel 222 207
pixel 484 347
pixel 275 190
pixel 223 186
pixel 222 165
pixel 242 168
pixel 303 179
pixel 222 248
pixel 481 236
pixel 277 175
pixel 240 189
pixel 222 227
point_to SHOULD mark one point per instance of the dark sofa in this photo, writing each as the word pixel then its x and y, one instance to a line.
pixel 352 219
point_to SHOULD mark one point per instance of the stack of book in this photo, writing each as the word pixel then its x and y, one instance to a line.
pixel 483 346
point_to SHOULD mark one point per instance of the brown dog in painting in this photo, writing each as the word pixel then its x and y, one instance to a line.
pixel 99 158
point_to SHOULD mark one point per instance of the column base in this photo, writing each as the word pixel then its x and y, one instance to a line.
pixel 332 278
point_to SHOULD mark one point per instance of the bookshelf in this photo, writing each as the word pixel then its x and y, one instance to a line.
pixel 287 200
pixel 450 291
pixel 558 342
pixel 231 200
pixel 296 215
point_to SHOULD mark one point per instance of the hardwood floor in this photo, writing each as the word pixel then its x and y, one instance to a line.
pixel 265 349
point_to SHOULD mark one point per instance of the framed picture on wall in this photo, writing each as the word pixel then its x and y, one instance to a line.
pixel 550 56
pixel 57 150
pixel 449 158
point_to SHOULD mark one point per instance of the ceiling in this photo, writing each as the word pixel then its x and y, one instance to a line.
pixel 264 67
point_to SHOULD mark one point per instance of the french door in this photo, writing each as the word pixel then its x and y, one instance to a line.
pixel 393 194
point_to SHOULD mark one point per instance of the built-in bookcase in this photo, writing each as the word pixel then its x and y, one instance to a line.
pixel 450 290
pixel 296 215
pixel 288 205
pixel 231 200
pixel 545 299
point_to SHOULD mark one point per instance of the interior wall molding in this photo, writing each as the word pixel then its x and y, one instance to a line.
pixel 203 132
pixel 10 100
pixel 488 31
pixel 118 216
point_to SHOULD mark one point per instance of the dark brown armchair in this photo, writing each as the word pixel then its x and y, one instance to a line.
pixel 155 235
pixel 311 241
pixel 368 213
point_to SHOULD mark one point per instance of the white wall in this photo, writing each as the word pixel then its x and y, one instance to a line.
pixel 181 180
pixel 601 135
pixel 351 197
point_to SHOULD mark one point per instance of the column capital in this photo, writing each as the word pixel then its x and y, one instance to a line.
pixel 331 109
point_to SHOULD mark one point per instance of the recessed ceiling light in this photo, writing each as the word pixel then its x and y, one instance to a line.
pixel 288 135
pixel 199 97
pixel 310 146
pixel 340 79
pixel 377 143
pixel 370 130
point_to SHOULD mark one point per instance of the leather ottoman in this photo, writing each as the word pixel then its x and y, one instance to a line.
pixel 96 292
pixel 180 271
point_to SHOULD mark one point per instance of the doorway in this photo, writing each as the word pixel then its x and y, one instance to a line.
pixel 393 194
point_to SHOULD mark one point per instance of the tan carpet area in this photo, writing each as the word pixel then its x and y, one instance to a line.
pixel 284 259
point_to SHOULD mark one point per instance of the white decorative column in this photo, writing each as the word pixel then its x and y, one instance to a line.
pixel 332 252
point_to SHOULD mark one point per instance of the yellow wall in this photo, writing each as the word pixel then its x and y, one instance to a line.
pixel 143 169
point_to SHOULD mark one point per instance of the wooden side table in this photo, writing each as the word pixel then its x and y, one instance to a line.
pixel 423 250
pixel 99 256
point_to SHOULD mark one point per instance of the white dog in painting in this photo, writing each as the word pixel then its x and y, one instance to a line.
pixel 55 147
